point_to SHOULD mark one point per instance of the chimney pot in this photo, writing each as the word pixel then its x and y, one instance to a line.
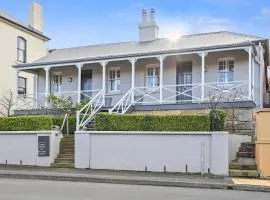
pixel 144 15
pixel 152 14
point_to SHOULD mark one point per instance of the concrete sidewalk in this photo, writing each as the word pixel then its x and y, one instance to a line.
pixel 133 178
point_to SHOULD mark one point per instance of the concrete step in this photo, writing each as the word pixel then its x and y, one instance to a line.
pixel 62 165
pixel 248 144
pixel 67 144
pixel 66 155
pixel 236 165
pixel 244 173
pixel 66 151
pixel 245 154
pixel 246 149
pixel 245 161
pixel 68 140
pixel 63 160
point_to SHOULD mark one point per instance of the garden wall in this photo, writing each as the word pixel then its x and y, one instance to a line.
pixel 194 152
pixel 28 147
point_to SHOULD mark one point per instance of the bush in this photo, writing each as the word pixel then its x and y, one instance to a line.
pixel 26 123
pixel 217 120
pixel 132 122
pixel 58 121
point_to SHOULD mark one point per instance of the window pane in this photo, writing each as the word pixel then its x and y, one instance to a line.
pixel 118 73
pixel 21 44
pixel 150 72
pixel 157 71
pixel 150 82
pixel 117 85
pixel 21 85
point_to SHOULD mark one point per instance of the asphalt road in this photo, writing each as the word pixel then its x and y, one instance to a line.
pixel 13 189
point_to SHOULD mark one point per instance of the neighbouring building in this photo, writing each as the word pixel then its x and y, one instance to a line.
pixel 20 43
pixel 157 75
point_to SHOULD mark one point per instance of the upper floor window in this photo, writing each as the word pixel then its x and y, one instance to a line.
pixel 21 85
pixel 114 79
pixel 21 50
pixel 57 83
pixel 152 78
pixel 226 70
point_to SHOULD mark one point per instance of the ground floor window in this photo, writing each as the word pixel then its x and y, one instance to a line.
pixel 152 77
pixel 114 79
pixel 226 70
pixel 21 85
pixel 57 83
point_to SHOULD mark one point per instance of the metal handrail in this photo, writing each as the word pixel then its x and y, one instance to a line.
pixel 91 109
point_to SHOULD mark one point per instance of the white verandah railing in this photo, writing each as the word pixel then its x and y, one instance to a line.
pixel 41 100
pixel 184 93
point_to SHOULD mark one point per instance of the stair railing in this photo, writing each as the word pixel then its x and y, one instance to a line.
pixel 89 111
pixel 124 103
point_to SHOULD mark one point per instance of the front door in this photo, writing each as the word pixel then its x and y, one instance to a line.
pixel 86 84
pixel 184 80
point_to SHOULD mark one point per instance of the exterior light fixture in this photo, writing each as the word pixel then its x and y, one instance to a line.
pixel 69 79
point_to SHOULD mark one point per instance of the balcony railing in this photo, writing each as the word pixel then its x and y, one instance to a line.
pixel 171 94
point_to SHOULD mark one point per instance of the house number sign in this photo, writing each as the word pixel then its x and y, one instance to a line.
pixel 43 145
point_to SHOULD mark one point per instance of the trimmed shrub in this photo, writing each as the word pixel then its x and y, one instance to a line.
pixel 217 120
pixel 132 122
pixel 26 123
pixel 58 121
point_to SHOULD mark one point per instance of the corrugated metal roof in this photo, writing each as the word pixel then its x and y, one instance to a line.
pixel 15 21
pixel 187 42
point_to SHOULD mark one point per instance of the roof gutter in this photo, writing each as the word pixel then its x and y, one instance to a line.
pixel 33 31
pixel 245 44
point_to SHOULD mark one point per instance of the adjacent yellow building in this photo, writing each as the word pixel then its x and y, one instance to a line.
pixel 20 43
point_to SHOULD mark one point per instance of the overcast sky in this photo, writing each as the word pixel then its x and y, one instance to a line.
pixel 83 22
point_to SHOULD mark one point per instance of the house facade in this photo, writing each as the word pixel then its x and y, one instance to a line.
pixel 20 44
pixel 190 72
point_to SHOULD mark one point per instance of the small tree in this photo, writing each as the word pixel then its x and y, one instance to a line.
pixel 6 103
pixel 60 106
pixel 214 100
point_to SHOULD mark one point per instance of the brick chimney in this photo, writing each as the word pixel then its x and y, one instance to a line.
pixel 148 28
pixel 36 18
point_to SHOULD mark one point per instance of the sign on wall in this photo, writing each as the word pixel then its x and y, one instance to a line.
pixel 43 145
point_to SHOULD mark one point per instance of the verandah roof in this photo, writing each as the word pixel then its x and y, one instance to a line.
pixel 117 50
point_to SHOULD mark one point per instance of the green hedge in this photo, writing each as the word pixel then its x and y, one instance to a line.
pixel 217 120
pixel 132 122
pixel 58 121
pixel 26 123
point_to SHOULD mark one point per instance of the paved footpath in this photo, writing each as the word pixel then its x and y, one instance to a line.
pixel 134 178
pixel 13 189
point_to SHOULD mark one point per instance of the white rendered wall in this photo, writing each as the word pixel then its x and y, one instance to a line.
pixel 21 147
pixel 235 141
pixel 154 150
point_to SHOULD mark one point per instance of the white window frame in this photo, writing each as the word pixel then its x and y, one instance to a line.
pixel 58 84
pixel 154 76
pixel 24 88
pixel 21 50
pixel 226 80
pixel 116 80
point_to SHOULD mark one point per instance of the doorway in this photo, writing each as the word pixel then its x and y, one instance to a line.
pixel 184 79
pixel 86 85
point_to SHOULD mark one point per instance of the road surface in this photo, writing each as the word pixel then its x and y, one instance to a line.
pixel 13 189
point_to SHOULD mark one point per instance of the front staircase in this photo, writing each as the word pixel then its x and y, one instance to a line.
pixel 244 165
pixel 65 158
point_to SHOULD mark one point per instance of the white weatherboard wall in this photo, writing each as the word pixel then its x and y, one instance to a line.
pixel 21 147
pixel 199 151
